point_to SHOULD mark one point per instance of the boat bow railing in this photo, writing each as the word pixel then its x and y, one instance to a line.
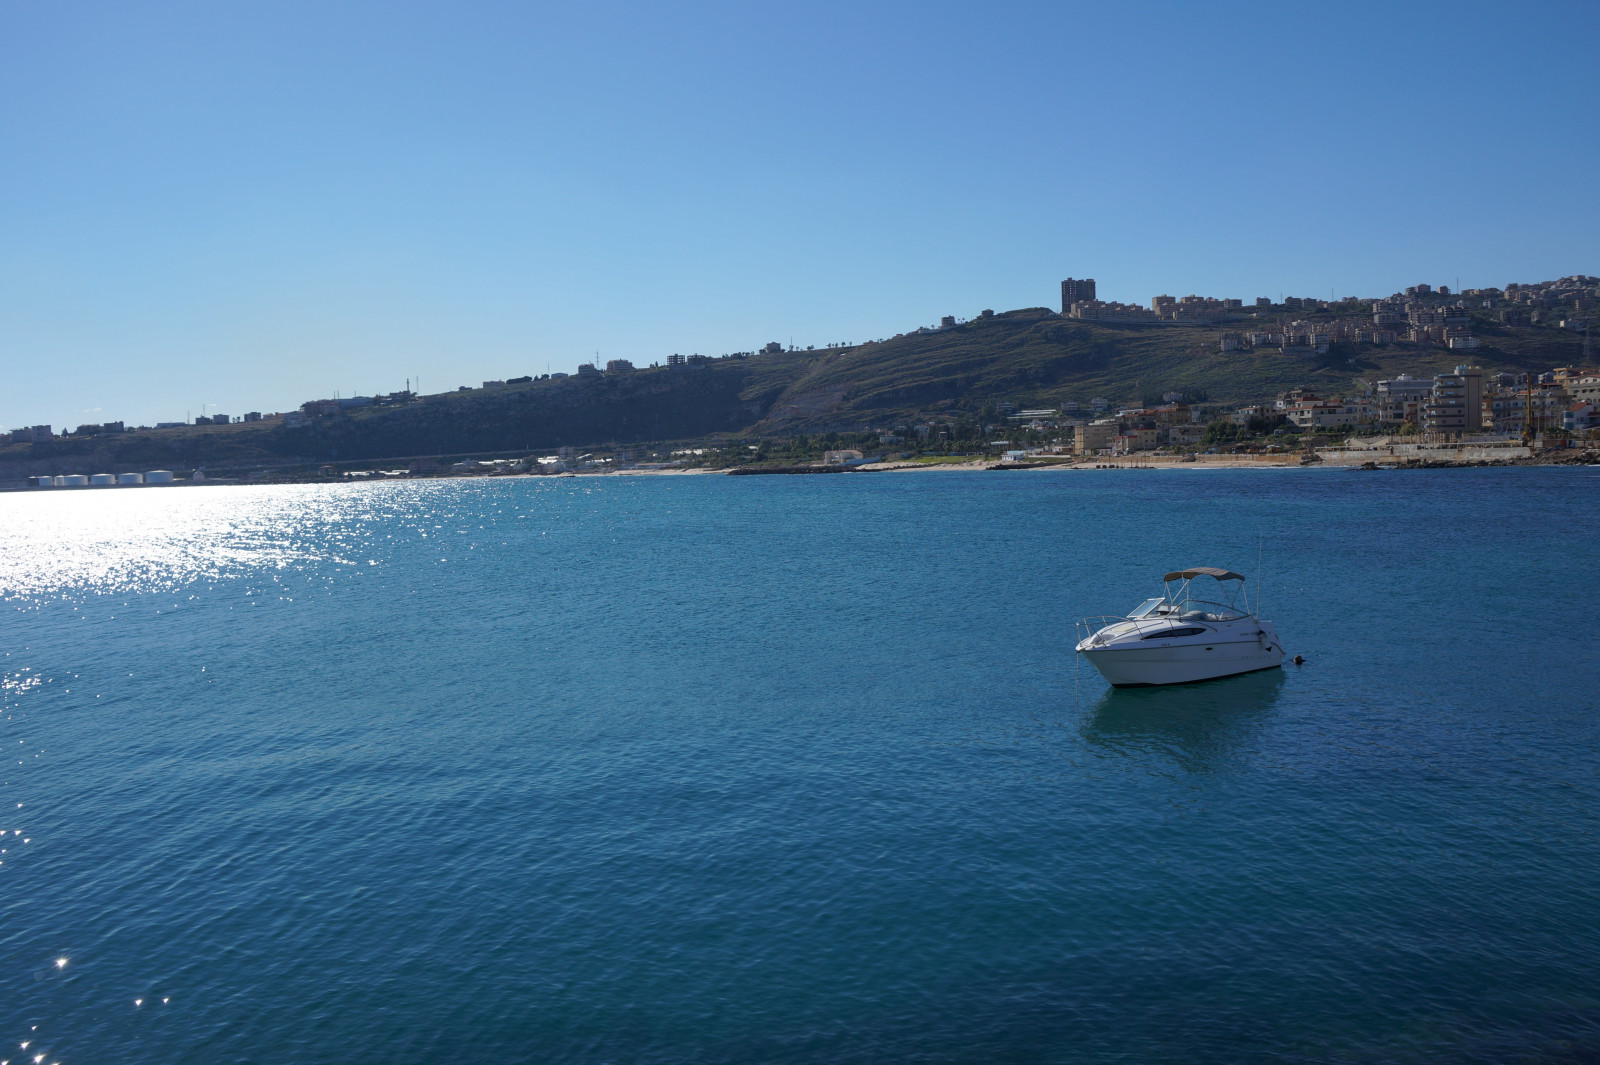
pixel 1090 627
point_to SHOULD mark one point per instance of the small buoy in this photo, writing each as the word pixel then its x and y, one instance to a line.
pixel 1299 661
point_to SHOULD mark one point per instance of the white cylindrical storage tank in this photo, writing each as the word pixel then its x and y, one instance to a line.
pixel 75 480
pixel 158 477
pixel 102 478
pixel 130 478
pixel 59 481
pixel 42 481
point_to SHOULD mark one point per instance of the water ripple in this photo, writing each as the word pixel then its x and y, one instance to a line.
pixel 701 770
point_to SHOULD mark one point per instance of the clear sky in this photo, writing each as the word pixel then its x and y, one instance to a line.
pixel 224 206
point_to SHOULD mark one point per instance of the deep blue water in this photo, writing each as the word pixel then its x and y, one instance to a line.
pixel 795 769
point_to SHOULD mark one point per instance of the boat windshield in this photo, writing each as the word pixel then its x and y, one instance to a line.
pixel 1145 609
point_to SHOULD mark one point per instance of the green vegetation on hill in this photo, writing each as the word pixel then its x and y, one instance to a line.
pixel 1035 359
pixel 1029 358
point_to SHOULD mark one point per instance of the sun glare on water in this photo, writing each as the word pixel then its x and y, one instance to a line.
pixel 137 540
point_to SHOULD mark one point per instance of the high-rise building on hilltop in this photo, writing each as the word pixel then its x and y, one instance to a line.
pixel 1076 290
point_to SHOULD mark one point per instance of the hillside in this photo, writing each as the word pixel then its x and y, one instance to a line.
pixel 681 403
pixel 1030 358
pixel 1037 359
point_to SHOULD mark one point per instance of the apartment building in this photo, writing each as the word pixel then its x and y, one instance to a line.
pixel 1316 414
pixel 1192 308
pixel 1094 437
pixel 1387 314
pixel 1138 439
pixel 1401 399
pixel 1506 411
pixel 1076 290
pixel 1456 404
pixel 1185 435
pixel 1582 386
pixel 1121 312
pixel 1168 414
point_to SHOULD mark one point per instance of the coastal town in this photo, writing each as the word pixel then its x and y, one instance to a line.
pixel 1471 411
pixel 1464 404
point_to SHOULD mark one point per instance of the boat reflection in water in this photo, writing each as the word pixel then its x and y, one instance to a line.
pixel 1197 725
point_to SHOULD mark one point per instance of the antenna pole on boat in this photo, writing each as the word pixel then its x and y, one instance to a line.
pixel 1260 548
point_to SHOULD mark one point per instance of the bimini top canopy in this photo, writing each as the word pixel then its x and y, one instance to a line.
pixel 1204 571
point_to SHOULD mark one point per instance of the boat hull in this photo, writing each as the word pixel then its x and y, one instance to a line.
pixel 1141 667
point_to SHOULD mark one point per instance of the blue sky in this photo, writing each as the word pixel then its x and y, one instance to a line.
pixel 219 206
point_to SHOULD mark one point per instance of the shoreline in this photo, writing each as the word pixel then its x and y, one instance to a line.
pixel 1345 462
pixel 1578 458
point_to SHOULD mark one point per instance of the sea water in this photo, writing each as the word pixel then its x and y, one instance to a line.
pixel 796 769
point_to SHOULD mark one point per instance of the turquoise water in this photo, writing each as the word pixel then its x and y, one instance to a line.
pixel 797 769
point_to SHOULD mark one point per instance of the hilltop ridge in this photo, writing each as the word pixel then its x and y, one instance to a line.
pixel 1030 357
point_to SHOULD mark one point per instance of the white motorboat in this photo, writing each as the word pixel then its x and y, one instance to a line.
pixel 1177 638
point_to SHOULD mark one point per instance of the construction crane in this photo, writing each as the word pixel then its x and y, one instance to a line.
pixel 1527 421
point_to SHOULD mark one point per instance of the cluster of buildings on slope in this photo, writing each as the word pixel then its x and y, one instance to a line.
pixel 323 408
pixel 319 408
pixel 1078 300
pixel 1466 400
pixel 1175 424
pixel 1420 314
pixel 1452 405
pixel 314 409
pixel 1389 323
pixel 35 434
